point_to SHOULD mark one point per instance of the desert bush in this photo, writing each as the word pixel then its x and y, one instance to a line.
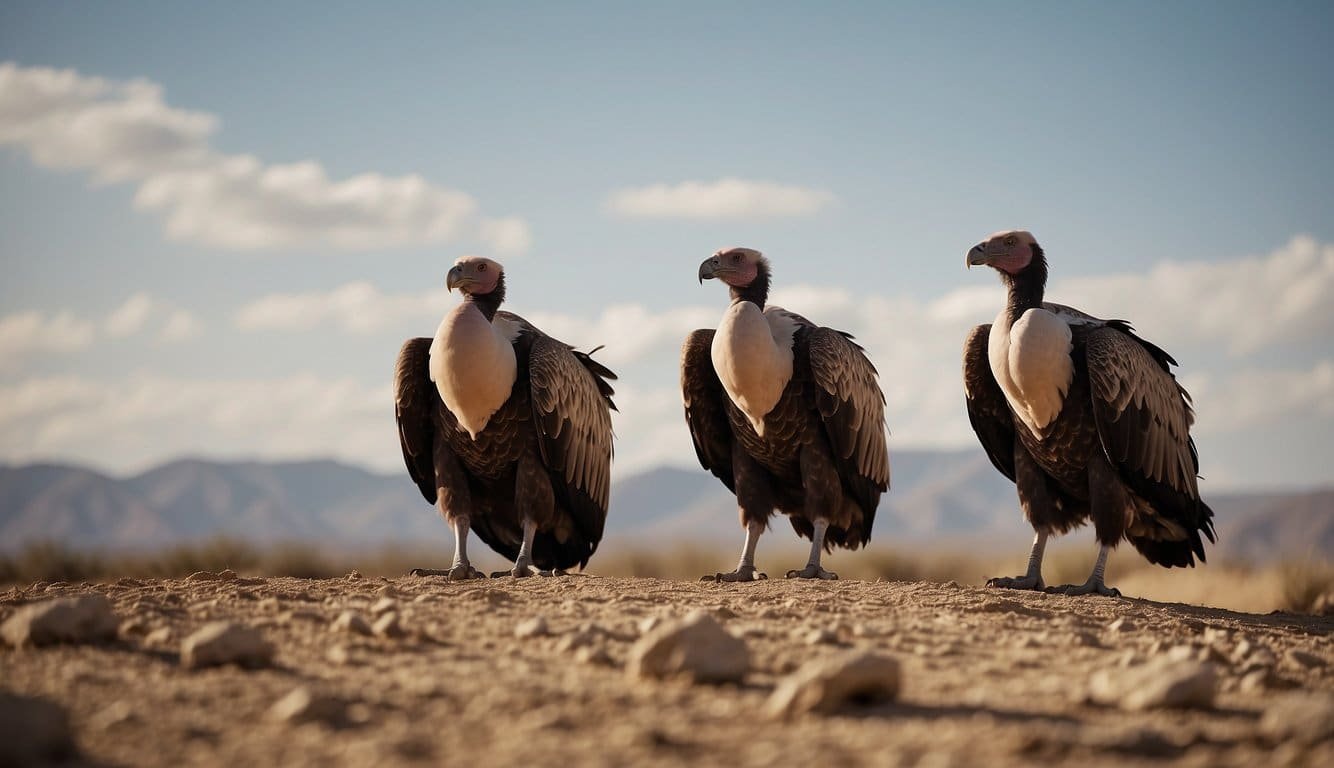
pixel 1303 583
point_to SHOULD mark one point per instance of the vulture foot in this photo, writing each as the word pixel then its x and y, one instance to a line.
pixel 1016 582
pixel 524 571
pixel 745 573
pixel 1089 587
pixel 812 572
pixel 457 573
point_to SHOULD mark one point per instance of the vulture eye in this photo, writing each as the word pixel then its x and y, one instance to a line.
pixel 736 257
pixel 1010 241
pixel 481 267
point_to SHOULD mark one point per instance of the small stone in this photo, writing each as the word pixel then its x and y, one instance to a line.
pixel 387 590
pixel 1304 659
pixel 202 576
pixel 227 574
pixel 82 619
pixel 388 626
pixel 223 643
pixel 114 715
pixel 350 621
pixel 1255 681
pixel 338 654
pixel 269 604
pixel 384 605
pixel 1306 718
pixel 852 679
pixel 303 706
pixel 354 576
pixel 1182 653
pixel 592 655
pixel 580 638
pixel 159 636
pixel 696 647
pixel 1121 625
pixel 132 627
pixel 299 614
pixel 819 637
pixel 648 624
pixel 534 627
pixel 1160 684
pixel 34 731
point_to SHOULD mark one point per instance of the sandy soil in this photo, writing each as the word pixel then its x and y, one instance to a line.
pixel 989 677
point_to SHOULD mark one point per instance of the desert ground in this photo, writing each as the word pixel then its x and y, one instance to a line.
pixel 590 670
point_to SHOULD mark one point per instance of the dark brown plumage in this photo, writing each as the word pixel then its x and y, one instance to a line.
pixel 1093 425
pixel 818 453
pixel 542 460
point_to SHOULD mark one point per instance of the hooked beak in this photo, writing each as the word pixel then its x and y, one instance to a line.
pixel 709 268
pixel 977 256
pixel 455 278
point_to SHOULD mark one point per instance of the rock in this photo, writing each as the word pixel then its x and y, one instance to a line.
pixel 158 636
pixel 1160 684
pixel 303 706
pixel 648 624
pixel 856 678
pixel 227 574
pixel 1121 625
pixel 534 627
pixel 696 647
pixel 202 576
pixel 388 626
pixel 580 638
pixel 384 605
pixel 34 731
pixel 338 654
pixel 819 637
pixel 1304 659
pixel 354 575
pixel 224 643
pixel 387 590
pixel 593 655
pixel 82 619
pixel 1306 717
pixel 350 621
pixel 1256 681
pixel 116 714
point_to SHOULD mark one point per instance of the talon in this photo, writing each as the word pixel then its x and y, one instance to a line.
pixel 524 571
pixel 812 572
pixel 457 573
pixel 1016 582
pixel 1089 588
pixel 739 575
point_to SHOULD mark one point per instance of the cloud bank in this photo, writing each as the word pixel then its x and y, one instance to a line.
pixel 727 198
pixel 124 131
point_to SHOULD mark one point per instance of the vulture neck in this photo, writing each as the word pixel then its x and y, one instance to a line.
pixel 1026 288
pixel 488 303
pixel 758 291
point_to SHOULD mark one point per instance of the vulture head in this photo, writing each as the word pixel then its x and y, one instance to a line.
pixel 476 276
pixel 744 269
pixel 1014 254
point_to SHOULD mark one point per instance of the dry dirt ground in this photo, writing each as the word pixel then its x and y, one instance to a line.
pixel 989 677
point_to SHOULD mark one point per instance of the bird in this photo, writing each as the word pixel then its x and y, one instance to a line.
pixel 1086 418
pixel 507 431
pixel 788 415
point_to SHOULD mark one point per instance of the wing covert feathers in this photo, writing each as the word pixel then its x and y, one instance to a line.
pixel 415 403
pixel 988 411
pixel 851 403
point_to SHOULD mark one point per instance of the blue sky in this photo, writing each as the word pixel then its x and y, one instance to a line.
pixel 185 272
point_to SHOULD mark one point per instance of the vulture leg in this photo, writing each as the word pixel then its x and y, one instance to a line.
pixel 1094 584
pixel 536 503
pixel 523 564
pixel 461 570
pixel 813 569
pixel 745 569
pixel 1033 578
pixel 755 502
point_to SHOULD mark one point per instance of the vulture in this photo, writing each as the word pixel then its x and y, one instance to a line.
pixel 507 430
pixel 1086 418
pixel 788 415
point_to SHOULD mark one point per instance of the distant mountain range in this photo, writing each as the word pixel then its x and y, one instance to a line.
pixel 938 496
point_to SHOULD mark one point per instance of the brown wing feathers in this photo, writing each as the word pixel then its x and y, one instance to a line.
pixel 415 403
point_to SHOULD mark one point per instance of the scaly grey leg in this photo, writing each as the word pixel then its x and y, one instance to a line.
pixel 461 570
pixel 745 569
pixel 523 564
pixel 1095 584
pixel 1032 579
pixel 813 569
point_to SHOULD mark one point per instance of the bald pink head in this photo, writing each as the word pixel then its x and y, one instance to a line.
pixel 474 275
pixel 1010 251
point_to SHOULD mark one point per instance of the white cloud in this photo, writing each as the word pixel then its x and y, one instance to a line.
pixel 132 423
pixel 727 198
pixel 1252 398
pixel 357 307
pixel 25 334
pixel 126 132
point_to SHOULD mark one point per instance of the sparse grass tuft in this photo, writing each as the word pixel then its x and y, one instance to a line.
pixel 1304 583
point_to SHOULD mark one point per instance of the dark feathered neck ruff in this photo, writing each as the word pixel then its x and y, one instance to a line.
pixel 758 290
pixel 489 303
pixel 1026 288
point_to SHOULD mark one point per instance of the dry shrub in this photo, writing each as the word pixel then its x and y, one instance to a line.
pixel 1303 583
